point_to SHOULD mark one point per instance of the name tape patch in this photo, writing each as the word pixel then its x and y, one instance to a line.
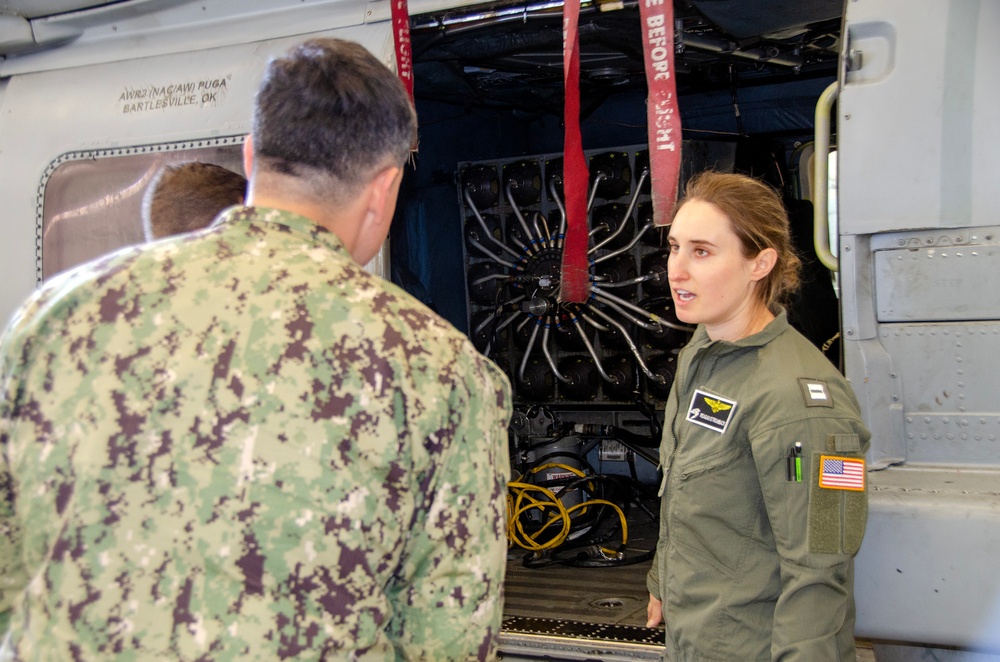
pixel 711 411
pixel 842 473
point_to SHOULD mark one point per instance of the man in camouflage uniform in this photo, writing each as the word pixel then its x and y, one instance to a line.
pixel 238 444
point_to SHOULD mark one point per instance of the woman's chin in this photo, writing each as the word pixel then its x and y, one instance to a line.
pixel 684 314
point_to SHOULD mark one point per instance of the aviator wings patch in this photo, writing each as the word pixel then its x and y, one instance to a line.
pixel 711 411
pixel 717 405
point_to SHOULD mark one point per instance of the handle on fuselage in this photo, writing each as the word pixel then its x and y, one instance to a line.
pixel 821 160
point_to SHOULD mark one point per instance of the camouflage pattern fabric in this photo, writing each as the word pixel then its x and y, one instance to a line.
pixel 238 444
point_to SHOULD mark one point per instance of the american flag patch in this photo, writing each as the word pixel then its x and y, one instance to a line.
pixel 842 473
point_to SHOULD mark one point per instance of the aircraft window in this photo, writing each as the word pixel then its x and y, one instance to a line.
pixel 91 201
pixel 832 219
pixel 831 202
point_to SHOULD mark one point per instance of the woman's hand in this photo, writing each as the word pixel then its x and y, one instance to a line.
pixel 654 612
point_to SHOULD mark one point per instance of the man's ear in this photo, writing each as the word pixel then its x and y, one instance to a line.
pixel 763 263
pixel 381 198
pixel 376 206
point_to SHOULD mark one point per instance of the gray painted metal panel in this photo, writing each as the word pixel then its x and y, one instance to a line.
pixel 937 284
pixel 116 31
pixel 917 121
pixel 928 570
pixel 917 653
pixel 948 382
pixel 918 164
pixel 868 366
pixel 90 108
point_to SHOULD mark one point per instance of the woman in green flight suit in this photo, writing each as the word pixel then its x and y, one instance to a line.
pixel 764 502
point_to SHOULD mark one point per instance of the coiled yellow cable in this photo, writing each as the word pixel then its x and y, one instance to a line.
pixel 519 493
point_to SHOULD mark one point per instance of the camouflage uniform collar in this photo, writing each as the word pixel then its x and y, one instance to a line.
pixel 285 221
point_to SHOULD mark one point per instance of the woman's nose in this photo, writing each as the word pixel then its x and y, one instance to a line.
pixel 676 267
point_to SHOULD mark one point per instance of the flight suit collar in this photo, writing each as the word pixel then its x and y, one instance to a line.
pixel 775 328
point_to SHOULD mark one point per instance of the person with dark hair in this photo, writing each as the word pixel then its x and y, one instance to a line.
pixel 183 197
pixel 764 500
pixel 239 444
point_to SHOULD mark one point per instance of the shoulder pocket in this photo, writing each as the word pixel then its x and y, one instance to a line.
pixel 837 517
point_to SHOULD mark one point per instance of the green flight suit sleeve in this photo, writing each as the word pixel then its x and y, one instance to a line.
pixel 653 577
pixel 447 602
pixel 816 604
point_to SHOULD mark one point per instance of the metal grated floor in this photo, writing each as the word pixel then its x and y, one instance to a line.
pixel 615 595
pixel 600 595
pixel 561 603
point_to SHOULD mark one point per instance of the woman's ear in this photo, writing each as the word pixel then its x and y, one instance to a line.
pixel 763 263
